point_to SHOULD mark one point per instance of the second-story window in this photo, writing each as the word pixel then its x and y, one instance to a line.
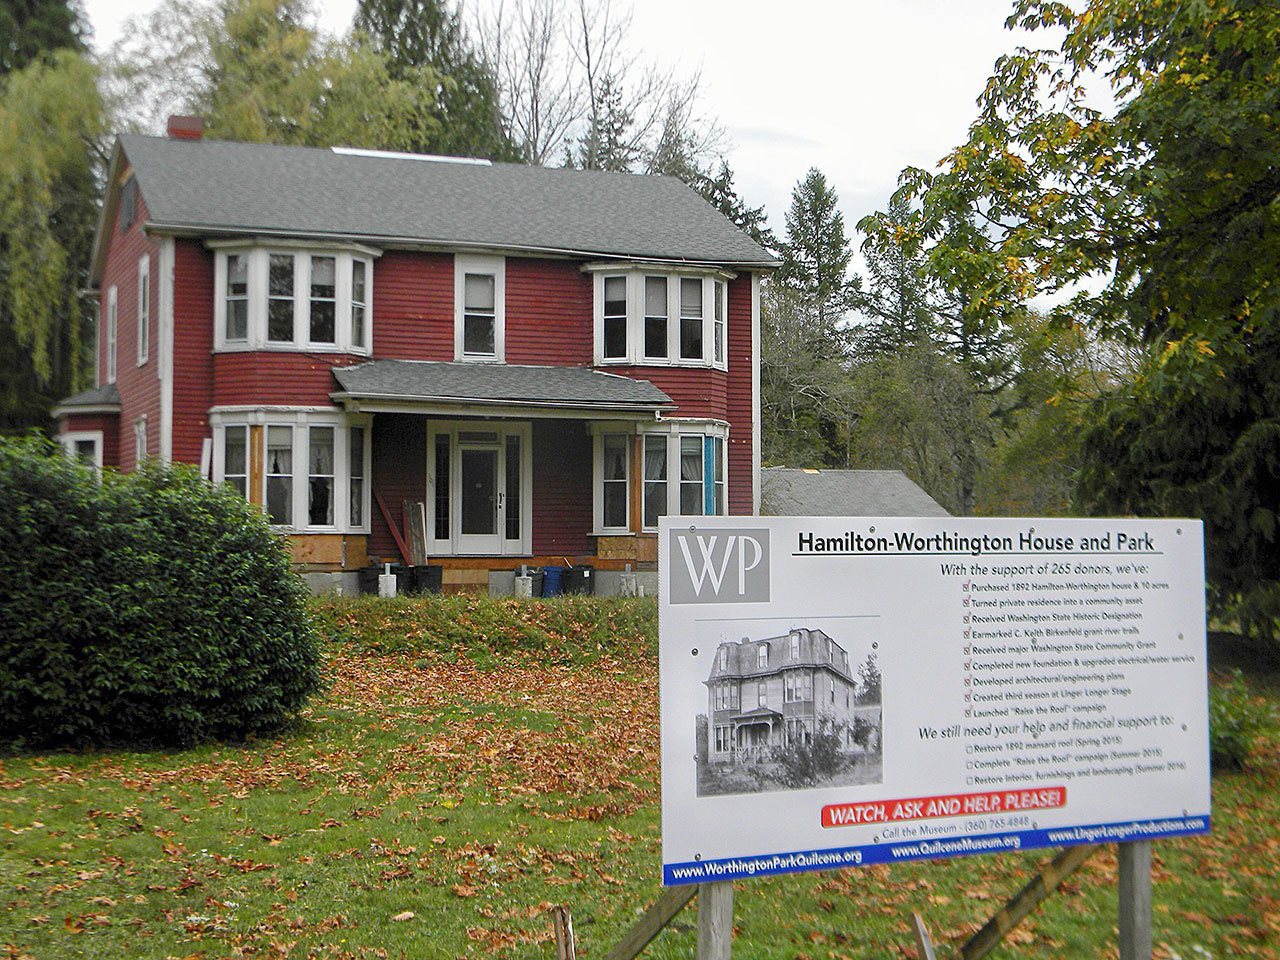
pixel 324 299
pixel 690 319
pixel 110 347
pixel 144 309
pixel 280 298
pixel 284 299
pixel 655 318
pixel 649 318
pixel 359 301
pixel 479 318
pixel 615 318
pixel 236 297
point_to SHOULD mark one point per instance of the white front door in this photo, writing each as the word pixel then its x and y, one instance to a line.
pixel 478 480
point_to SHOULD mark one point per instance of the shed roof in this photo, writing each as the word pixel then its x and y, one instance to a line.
pixel 787 492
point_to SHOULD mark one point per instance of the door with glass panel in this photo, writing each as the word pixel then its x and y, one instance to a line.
pixel 479 480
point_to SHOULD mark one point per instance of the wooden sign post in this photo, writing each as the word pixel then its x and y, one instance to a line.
pixel 1135 900
pixel 715 920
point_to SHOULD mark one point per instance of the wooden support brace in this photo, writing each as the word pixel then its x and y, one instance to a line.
pixel 924 943
pixel 1067 862
pixel 663 911
pixel 393 527
pixel 562 921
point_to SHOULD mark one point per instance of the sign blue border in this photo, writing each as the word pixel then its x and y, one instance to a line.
pixel 930 848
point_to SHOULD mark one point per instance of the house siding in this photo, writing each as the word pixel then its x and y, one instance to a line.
pixel 562 496
pixel 193 375
pixel 105 423
pixel 399 474
pixel 738 406
pixel 548 313
pixel 413 306
pixel 276 378
pixel 139 386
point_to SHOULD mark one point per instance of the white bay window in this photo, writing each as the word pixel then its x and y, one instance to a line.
pixel 292 299
pixel 651 316
pixel 676 469
pixel 307 468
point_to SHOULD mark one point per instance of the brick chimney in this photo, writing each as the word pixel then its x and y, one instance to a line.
pixel 185 128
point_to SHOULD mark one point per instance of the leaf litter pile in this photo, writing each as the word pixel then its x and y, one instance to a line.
pixel 475 762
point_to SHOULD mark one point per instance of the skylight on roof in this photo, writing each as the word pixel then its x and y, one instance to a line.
pixel 396 155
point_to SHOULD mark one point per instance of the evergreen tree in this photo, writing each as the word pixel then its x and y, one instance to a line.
pixel 607 143
pixel 417 34
pixel 720 192
pixel 894 297
pixel 816 257
pixel 30 28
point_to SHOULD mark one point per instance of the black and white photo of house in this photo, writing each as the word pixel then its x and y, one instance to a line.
pixel 789 712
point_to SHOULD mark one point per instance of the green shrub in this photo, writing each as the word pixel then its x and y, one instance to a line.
pixel 1235 720
pixel 148 608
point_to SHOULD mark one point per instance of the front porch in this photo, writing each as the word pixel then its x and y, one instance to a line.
pixel 483 469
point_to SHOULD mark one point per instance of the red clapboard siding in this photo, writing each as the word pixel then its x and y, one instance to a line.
pixel 561 488
pixel 139 386
pixel 276 377
pixel 548 313
pixel 697 393
pixel 106 423
pixel 399 474
pixel 192 348
pixel 738 404
pixel 413 306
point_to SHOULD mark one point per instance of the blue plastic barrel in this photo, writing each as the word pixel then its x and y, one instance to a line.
pixel 552 581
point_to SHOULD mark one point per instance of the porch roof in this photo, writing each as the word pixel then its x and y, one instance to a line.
pixel 495 385
pixel 759 713
pixel 104 399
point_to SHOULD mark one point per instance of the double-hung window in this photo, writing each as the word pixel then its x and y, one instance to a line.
pixel 691 326
pixel 296 300
pixel 280 299
pixel 692 481
pixel 479 309
pixel 615 473
pixel 144 309
pixel 110 347
pixel 646 317
pixel 324 300
pixel 656 318
pixel 236 298
pixel 655 479
pixel 615 318
pixel 308 470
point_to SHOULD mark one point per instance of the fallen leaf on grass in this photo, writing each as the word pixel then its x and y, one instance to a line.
pixel 406 915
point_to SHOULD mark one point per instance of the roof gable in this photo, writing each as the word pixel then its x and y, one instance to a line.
pixel 213 186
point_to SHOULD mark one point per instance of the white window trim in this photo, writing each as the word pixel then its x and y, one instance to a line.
pixel 72 437
pixel 299 420
pixel 636 274
pixel 497 267
pixel 597 473
pixel 112 334
pixel 259 255
pixel 141 450
pixel 144 308
pixel 673 429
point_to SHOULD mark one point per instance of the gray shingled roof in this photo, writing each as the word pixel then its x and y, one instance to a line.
pixel 220 186
pixel 105 396
pixel 497 383
pixel 785 492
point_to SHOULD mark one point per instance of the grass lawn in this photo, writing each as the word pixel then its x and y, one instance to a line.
pixel 476 761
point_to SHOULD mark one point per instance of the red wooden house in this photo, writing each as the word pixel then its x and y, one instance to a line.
pixel 548 359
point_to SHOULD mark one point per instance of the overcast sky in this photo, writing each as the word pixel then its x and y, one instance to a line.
pixel 859 88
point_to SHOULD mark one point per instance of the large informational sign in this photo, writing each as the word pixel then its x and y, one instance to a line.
pixel 840 691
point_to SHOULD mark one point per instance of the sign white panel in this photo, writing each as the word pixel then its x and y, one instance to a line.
pixel 840 691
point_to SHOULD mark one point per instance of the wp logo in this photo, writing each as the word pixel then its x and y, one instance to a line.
pixel 719 566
